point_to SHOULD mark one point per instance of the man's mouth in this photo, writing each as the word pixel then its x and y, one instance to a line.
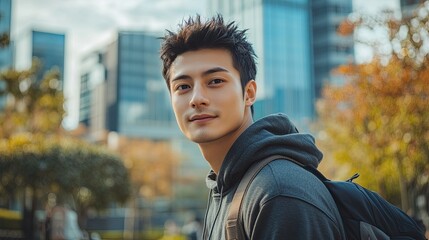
pixel 201 117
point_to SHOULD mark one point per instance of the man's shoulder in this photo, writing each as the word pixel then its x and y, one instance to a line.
pixel 284 183
pixel 284 173
pixel 283 178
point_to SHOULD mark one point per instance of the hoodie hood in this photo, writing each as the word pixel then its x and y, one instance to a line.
pixel 272 135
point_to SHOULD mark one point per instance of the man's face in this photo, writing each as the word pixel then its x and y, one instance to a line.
pixel 207 97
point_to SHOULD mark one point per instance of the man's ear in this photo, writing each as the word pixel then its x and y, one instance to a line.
pixel 250 93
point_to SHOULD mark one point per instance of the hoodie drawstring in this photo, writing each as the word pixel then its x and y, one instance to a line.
pixel 215 219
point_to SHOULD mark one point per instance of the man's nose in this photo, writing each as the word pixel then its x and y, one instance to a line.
pixel 199 96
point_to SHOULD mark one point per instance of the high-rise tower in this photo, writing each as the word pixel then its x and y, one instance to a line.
pixel 280 31
pixel 329 49
pixel 122 89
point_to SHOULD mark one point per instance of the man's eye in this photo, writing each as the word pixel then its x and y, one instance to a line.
pixel 216 81
pixel 182 87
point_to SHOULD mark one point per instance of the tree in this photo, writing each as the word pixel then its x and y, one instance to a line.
pixel 140 156
pixel 34 105
pixel 378 121
pixel 151 166
pixel 37 157
pixel 77 173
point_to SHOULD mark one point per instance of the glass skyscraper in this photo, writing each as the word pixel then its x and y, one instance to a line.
pixel 92 78
pixel 297 47
pixel 5 52
pixel 47 47
pixel 280 33
pixel 136 100
pixel 329 49
pixel 5 23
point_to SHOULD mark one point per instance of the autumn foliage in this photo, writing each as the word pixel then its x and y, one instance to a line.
pixel 33 105
pixel 151 165
pixel 37 157
pixel 377 122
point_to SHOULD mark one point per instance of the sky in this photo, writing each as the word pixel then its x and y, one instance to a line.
pixel 91 24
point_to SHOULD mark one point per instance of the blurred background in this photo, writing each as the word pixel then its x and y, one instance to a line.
pixel 89 147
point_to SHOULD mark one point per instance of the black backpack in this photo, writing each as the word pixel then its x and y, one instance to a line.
pixel 365 214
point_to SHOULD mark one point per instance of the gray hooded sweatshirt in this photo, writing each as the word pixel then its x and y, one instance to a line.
pixel 284 200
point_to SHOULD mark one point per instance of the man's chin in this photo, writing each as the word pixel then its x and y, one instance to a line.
pixel 201 139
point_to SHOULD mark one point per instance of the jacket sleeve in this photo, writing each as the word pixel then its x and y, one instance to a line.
pixel 291 218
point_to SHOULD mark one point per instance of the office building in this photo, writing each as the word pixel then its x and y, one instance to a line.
pixel 92 107
pixel 297 48
pixel 122 89
pixel 330 50
pixel 6 57
pixel 47 47
pixel 280 34
pixel 5 25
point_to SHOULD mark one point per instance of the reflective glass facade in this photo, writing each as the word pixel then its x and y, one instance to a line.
pixel 85 100
pixel 136 98
pixel 287 58
pixel 297 47
pixel 5 53
pixel 49 48
pixel 329 49
pixel 92 104
pixel 280 33
pixel 143 101
pixel 5 19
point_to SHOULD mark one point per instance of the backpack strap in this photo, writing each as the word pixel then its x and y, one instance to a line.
pixel 234 225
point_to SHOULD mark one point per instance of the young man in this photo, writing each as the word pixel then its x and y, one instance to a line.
pixel 210 72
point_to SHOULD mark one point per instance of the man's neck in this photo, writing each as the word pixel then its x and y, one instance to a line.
pixel 214 152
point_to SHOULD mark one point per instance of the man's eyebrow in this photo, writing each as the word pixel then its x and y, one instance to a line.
pixel 207 72
pixel 214 70
pixel 180 77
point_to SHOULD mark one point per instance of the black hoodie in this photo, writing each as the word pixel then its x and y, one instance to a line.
pixel 284 201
